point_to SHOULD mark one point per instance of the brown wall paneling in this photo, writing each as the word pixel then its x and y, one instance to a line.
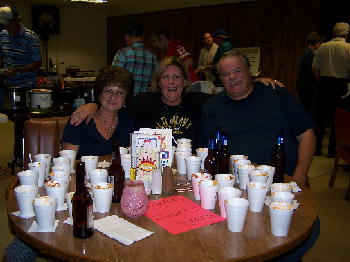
pixel 279 27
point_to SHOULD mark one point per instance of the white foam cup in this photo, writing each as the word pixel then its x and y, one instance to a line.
pixel 195 180
pixel 256 195
pixel 28 177
pixel 236 210
pixel 193 165
pixel 208 191
pixel 243 174
pixel 40 167
pixel 156 185
pixel 180 161
pixel 280 218
pixel 56 190
pixel 102 196
pixel 98 175
pixel 232 160
pixel 61 160
pixel 71 154
pixel 69 197
pixel 268 169
pixel 282 197
pixel 257 175
pixel 61 167
pixel 126 164
pixel 44 158
pixel 90 163
pixel 24 196
pixel 202 153
pixel 184 142
pixel 281 187
pixel 45 211
pixel 225 180
pixel 224 193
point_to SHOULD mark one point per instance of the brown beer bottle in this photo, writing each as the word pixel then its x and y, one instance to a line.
pixel 223 166
pixel 116 170
pixel 278 159
pixel 83 223
pixel 210 162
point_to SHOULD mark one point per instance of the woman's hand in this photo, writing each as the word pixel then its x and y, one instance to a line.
pixel 84 112
pixel 270 81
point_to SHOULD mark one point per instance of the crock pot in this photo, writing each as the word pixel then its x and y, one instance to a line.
pixel 40 98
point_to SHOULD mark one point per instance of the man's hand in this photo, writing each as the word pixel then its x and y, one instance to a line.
pixel 83 112
pixel 269 81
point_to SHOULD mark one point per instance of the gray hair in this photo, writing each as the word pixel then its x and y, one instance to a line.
pixel 233 53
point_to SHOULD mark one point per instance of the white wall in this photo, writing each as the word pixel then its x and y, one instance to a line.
pixel 82 40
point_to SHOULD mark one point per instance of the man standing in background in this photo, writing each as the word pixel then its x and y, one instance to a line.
pixel 135 58
pixel 220 38
pixel 306 81
pixel 331 67
pixel 205 61
pixel 19 51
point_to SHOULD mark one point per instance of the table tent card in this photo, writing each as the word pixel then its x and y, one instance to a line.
pixel 150 149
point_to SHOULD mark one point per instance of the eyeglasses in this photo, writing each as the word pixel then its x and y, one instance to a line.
pixel 173 77
pixel 118 93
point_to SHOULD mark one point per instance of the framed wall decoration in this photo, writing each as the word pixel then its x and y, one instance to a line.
pixel 45 19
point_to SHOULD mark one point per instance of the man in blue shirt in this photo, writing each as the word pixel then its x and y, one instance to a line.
pixel 135 58
pixel 19 50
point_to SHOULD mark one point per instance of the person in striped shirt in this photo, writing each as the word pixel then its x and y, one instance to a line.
pixel 20 55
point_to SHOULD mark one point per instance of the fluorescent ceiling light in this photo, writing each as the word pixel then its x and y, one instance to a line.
pixel 90 1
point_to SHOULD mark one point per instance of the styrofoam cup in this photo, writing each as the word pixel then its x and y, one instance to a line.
pixel 24 196
pixel 243 171
pixel 202 153
pixel 98 175
pixel 90 163
pixel 256 195
pixel 102 196
pixel 236 210
pixel 45 211
pixel 268 169
pixel 193 165
pixel 225 180
pixel 69 197
pixel 126 164
pixel 224 193
pixel 180 161
pixel 257 175
pixel 58 192
pixel 280 218
pixel 282 197
pixel 28 177
pixel 71 154
pixel 195 180
pixel 208 191
pixel 40 167
pixel 44 158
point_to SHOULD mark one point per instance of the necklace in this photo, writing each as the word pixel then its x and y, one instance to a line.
pixel 110 127
pixel 174 114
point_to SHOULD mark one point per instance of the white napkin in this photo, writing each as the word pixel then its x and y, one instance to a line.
pixel 268 202
pixel 68 221
pixel 295 187
pixel 18 214
pixel 34 227
pixel 120 229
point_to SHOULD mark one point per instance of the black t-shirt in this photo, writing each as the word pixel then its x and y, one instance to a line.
pixel 252 123
pixel 184 119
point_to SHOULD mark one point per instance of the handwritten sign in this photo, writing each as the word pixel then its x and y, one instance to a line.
pixel 178 214
pixel 253 54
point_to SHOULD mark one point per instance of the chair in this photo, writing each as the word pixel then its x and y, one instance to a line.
pixel 42 135
pixel 342 136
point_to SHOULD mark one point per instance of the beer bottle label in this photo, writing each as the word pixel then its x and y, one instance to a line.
pixel 90 217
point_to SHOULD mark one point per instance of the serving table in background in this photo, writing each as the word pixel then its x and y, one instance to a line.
pixel 210 243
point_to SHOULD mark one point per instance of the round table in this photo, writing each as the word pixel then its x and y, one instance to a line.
pixel 209 243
